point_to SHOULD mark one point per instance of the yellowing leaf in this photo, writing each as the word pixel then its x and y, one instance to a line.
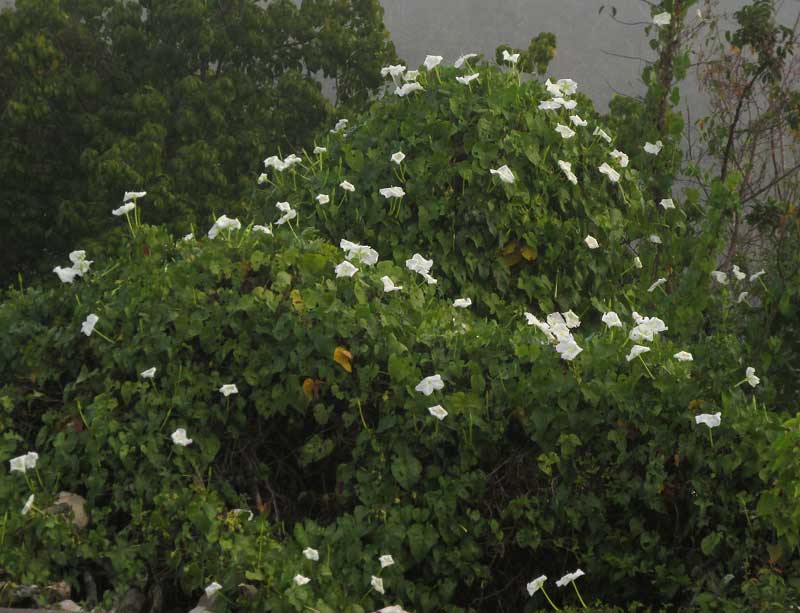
pixel 529 253
pixel 297 300
pixel 342 357
pixel 311 388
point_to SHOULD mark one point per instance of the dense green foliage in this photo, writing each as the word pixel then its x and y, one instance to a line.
pixel 504 245
pixel 102 96
pixel 542 465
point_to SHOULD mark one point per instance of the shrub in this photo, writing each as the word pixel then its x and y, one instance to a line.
pixel 542 464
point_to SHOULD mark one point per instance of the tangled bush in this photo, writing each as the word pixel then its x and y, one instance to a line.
pixel 514 237
pixel 293 425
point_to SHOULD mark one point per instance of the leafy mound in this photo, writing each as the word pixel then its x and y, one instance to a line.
pixel 519 243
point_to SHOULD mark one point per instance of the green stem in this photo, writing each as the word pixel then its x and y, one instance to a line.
pixel 552 604
pixel 363 421
pixel 3 529
pixel 579 595
pixel 101 335
pixel 646 368
pixel 80 412
pixel 130 225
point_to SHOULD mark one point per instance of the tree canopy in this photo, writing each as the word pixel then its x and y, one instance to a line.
pixel 102 96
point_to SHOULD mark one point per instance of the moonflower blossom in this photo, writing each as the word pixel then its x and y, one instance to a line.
pixel 223 222
pixel 392 192
pixel 301 580
pixel 655 239
pixel 612 174
pixel 712 420
pixel 554 89
pixel 23 463
pixel 411 75
pixel 240 511
pixel 149 373
pixel 228 389
pixel 125 208
pixel 637 262
pixel 262 178
pixel 720 276
pixel 275 162
pixel 407 88
pixel 342 123
pixel 432 61
pixel 612 320
pixel 535 585
pixel 571 319
pixel 750 376
pixel 662 19
pixel 620 157
pixel 465 80
pixel 79 262
pixel 345 269
pixel 320 150
pixel 389 286
pixel 509 57
pixel 568 349
pixel 462 303
pixel 264 229
pixel 323 198
pixel 460 61
pixel 504 172
pixel 565 131
pixel 646 328
pixel 179 437
pixel 212 589
pixel 87 327
pixel 428 278
pixel 567 168
pixel 577 121
pixel 438 412
pixel 347 186
pixel 737 272
pixel 66 275
pixel 549 105
pixel 658 283
pixel 363 253
pixel 568 87
pixel 742 296
pixel 756 275
pixel 419 264
pixel 430 384
pixel 28 505
pixel 569 578
pixel 133 196
pixel 684 356
pixel 601 134
pixel 653 148
pixel 591 242
pixel 386 559
pixel 288 213
pixel 377 584
pixel 667 203
pixel 311 554
pixel 567 104
pixel 398 157
pixel 636 350
pixel 394 70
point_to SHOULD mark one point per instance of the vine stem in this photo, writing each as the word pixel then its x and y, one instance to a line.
pixel 579 595
pixel 544 591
